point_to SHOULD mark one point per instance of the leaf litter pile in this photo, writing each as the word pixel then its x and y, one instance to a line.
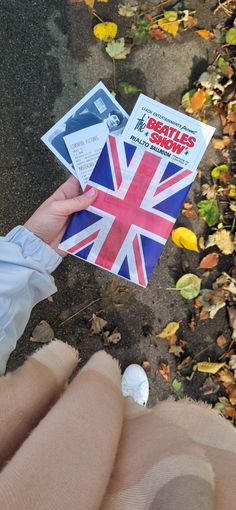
pixel 207 287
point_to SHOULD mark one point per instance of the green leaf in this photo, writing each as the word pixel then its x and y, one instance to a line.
pixel 223 65
pixel 189 285
pixel 140 32
pixel 209 211
pixel 127 89
pixel 176 385
pixel 218 169
pixel 230 36
pixel 186 98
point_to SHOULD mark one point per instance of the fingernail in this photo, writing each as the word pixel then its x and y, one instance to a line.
pixel 90 193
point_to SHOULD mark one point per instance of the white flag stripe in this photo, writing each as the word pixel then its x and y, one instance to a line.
pixel 79 236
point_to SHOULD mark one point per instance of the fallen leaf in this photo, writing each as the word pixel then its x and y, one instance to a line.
pixel 216 172
pixel 127 10
pixel 176 350
pixel 111 338
pixel 192 322
pixel 197 100
pixel 209 261
pixel 186 100
pixel 184 238
pixel 169 330
pixel 114 297
pixel 232 320
pixel 225 67
pixel 232 395
pixel 51 299
pixel 221 341
pixel 204 315
pixel 97 325
pixel 42 333
pixel 182 343
pixel 209 386
pixel 232 362
pixel 187 363
pixel 105 31
pixel 209 211
pixel 230 36
pixel 226 377
pixel 189 212
pixel 164 370
pixel 221 143
pixel 224 240
pixel 127 89
pixel 89 3
pixel 169 23
pixel 147 366
pixel 176 385
pixel 189 285
pixel 209 367
pixel 117 49
pixel 205 34
pixel 157 33
pixel 172 340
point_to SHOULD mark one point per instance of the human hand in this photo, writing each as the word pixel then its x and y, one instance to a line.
pixel 50 220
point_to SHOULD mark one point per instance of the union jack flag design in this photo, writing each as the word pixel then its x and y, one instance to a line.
pixel 139 198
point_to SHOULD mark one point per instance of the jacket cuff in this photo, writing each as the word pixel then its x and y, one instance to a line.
pixel 34 247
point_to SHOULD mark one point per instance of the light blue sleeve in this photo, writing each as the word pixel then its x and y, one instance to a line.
pixel 25 266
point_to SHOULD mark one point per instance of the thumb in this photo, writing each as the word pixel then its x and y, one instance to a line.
pixel 71 205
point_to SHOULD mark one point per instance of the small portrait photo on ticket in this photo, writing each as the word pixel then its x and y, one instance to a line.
pixel 99 110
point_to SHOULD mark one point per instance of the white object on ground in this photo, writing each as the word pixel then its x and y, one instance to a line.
pixel 135 384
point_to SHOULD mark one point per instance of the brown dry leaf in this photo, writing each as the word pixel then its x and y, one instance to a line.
pixel 164 369
pixel 111 338
pixel 182 343
pixel 189 212
pixel 209 261
pixel 147 366
pixel 226 377
pixel 42 333
pixel 114 297
pixel 205 34
pixel 229 411
pixel 230 129
pixel 209 386
pixel 204 315
pixel 197 302
pixel 157 33
pixel 232 320
pixel 192 323
pixel 232 394
pixel 97 326
pixel 172 340
pixel 190 23
pixel 197 100
pixel 221 341
pixel 221 143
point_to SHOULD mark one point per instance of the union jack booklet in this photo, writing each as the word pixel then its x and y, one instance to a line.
pixel 142 182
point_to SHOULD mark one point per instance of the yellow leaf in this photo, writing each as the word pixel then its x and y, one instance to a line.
pixel 170 15
pixel 184 238
pixel 103 1
pixel 169 330
pixel 169 23
pixel 209 367
pixel 105 31
pixel 205 34
pixel 89 3
pixel 197 100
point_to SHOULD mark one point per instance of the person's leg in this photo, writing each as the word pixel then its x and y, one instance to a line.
pixel 68 458
pixel 27 393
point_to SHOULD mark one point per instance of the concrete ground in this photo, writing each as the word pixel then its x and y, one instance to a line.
pixel 49 60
